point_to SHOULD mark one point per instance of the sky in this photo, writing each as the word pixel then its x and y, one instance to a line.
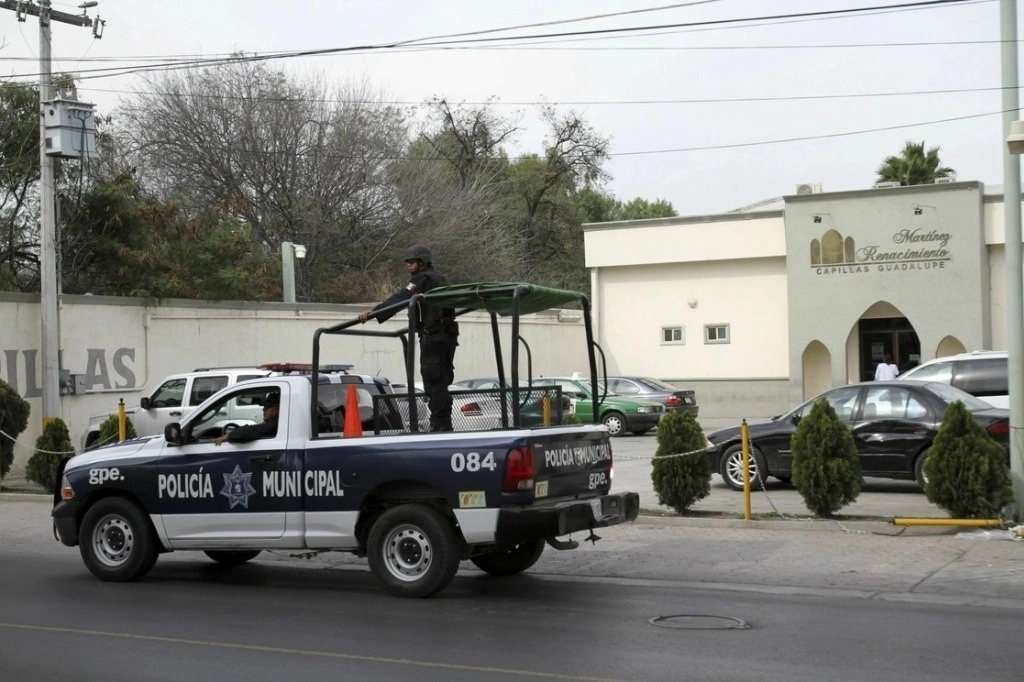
pixel 696 115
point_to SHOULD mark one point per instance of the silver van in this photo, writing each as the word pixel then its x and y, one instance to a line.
pixel 984 374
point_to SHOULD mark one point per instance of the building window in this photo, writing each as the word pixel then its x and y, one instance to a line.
pixel 716 333
pixel 673 335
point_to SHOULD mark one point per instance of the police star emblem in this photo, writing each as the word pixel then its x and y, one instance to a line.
pixel 237 488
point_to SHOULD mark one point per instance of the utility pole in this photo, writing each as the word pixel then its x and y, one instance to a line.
pixel 1014 282
pixel 50 330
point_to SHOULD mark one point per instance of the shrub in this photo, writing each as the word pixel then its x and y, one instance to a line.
pixel 109 430
pixel 826 467
pixel 51 447
pixel 14 411
pixel 570 418
pixel 680 481
pixel 966 468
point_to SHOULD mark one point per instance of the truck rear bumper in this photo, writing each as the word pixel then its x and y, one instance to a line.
pixel 520 524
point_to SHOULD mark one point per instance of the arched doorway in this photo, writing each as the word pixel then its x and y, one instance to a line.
pixel 817 369
pixel 949 345
pixel 883 330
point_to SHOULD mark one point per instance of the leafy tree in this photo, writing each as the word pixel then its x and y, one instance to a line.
pixel 826 467
pixel 642 209
pixel 110 430
pixel 680 481
pixel 51 447
pixel 594 206
pixel 913 166
pixel 966 468
pixel 19 176
pixel 14 411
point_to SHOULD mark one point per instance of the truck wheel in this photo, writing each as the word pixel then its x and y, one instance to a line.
pixel 615 422
pixel 512 561
pixel 732 467
pixel 117 543
pixel 413 551
pixel 231 557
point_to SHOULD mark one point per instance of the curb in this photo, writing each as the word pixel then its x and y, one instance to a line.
pixel 876 527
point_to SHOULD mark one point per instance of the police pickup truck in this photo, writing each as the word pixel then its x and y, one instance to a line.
pixel 415 504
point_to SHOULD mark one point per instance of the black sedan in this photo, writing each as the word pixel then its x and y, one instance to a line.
pixel 674 399
pixel 893 425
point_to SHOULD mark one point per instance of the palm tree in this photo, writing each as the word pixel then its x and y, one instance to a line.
pixel 913 166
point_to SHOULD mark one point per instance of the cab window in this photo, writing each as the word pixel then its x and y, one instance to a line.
pixel 169 394
pixel 204 387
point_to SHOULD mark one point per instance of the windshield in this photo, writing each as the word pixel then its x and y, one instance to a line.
pixel 950 394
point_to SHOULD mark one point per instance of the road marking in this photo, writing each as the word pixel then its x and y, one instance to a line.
pixel 306 652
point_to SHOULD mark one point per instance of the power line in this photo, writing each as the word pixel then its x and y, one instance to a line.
pixel 448 41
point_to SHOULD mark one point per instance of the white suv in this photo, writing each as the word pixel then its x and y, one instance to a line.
pixel 175 398
pixel 984 374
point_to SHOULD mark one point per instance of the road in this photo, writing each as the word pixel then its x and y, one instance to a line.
pixel 282 619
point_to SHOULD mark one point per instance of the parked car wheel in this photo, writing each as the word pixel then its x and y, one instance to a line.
pixel 512 561
pixel 117 543
pixel 231 557
pixel 413 551
pixel 615 422
pixel 732 467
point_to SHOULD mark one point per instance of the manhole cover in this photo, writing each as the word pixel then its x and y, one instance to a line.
pixel 698 622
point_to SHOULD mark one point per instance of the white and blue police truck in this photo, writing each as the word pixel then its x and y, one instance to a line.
pixel 414 503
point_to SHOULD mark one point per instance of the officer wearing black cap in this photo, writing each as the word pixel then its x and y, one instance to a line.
pixel 439 333
pixel 265 429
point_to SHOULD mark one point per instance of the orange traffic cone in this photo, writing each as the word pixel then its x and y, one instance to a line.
pixel 353 424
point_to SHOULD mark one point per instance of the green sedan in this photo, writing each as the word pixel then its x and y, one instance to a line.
pixel 619 413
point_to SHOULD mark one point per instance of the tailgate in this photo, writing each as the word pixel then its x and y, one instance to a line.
pixel 572 463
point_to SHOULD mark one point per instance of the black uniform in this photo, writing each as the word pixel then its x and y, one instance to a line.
pixel 439 335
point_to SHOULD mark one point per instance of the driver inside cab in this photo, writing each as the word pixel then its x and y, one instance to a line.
pixel 265 429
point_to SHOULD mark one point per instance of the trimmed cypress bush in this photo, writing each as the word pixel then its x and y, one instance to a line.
pixel 966 468
pixel 14 411
pixel 51 447
pixel 109 430
pixel 680 481
pixel 826 467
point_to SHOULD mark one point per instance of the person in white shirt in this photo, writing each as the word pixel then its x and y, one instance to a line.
pixel 886 370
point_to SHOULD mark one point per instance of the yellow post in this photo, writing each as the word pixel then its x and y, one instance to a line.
pixel 545 408
pixel 745 437
pixel 121 417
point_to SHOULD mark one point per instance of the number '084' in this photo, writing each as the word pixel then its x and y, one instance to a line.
pixel 472 461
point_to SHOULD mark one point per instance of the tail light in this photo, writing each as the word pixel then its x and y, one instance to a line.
pixel 673 401
pixel 471 410
pixel 1000 428
pixel 518 471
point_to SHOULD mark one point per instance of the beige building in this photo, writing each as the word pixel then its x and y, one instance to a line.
pixel 761 308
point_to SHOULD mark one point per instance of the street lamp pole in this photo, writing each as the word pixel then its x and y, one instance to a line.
pixel 289 252
pixel 1014 271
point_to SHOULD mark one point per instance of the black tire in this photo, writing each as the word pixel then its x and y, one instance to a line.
pixel 232 557
pixel 922 480
pixel 116 541
pixel 512 561
pixel 413 551
pixel 615 422
pixel 731 467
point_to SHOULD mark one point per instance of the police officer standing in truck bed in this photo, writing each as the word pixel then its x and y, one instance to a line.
pixel 439 333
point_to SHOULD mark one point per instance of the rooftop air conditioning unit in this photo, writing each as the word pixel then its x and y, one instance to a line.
pixel 887 185
pixel 946 180
pixel 809 188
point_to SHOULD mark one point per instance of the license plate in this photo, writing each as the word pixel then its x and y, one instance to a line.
pixel 595 506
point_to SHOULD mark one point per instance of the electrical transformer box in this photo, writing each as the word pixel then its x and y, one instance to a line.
pixel 70 129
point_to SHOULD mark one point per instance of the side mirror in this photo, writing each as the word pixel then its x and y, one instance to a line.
pixel 145 404
pixel 172 434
